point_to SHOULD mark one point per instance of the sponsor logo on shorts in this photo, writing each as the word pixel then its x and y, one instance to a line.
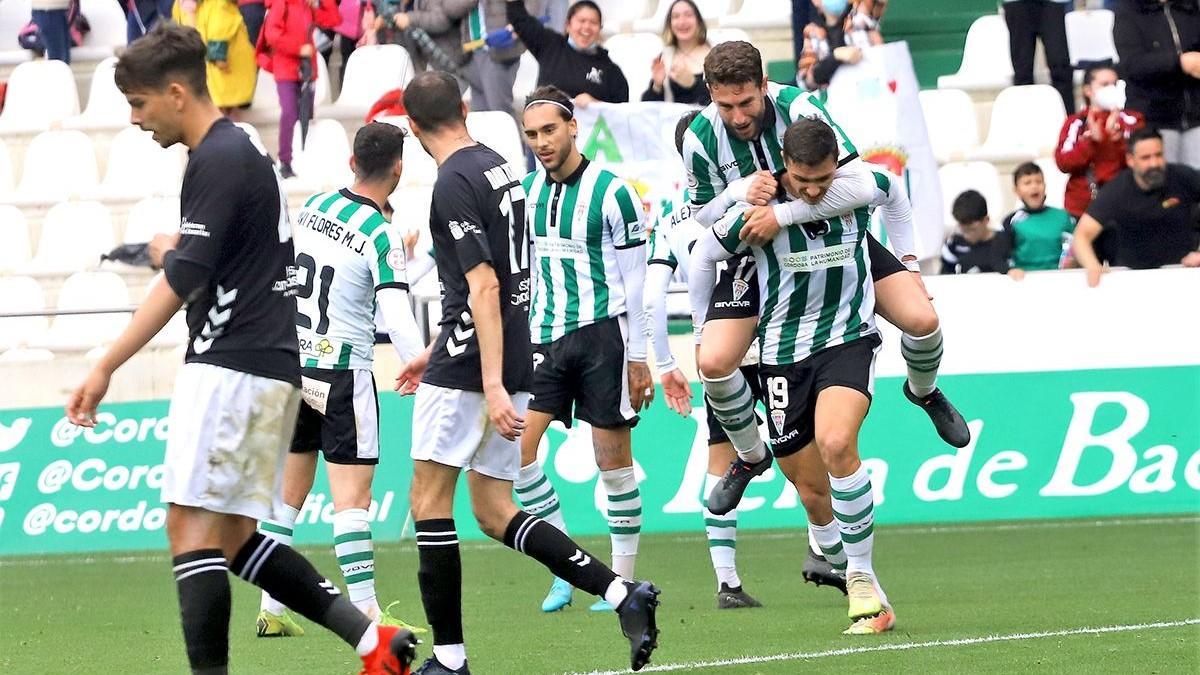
pixel 777 418
pixel 731 304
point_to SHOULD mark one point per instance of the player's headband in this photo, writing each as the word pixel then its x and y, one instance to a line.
pixel 569 108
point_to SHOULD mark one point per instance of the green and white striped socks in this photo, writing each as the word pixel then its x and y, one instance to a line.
pixel 279 529
pixel 624 511
pixel 537 496
pixel 827 540
pixel 356 556
pixel 923 356
pixel 733 406
pixel 854 512
pixel 722 540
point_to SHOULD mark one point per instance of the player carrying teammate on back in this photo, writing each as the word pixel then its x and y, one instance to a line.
pixel 470 406
pixel 589 359
pixel 349 258
pixel 818 343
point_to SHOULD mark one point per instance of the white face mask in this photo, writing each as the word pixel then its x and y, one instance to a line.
pixel 1111 97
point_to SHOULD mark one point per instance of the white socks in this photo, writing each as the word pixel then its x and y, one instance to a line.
pixel 923 356
pixel 722 540
pixel 854 512
pixel 733 406
pixel 624 511
pixel 280 530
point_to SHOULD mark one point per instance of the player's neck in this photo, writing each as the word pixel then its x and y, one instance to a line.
pixel 442 144
pixel 198 121
pixel 568 167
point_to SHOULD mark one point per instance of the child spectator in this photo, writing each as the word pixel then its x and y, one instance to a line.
pixel 1039 233
pixel 231 70
pixel 289 31
pixel 976 247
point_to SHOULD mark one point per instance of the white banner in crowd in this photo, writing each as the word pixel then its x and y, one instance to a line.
pixel 875 102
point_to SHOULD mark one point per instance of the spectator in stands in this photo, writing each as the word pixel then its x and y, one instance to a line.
pixel 976 247
pixel 441 21
pixel 492 69
pixel 254 12
pixel 1150 208
pixel 289 30
pixel 1027 21
pixel 347 34
pixel 1158 42
pixel 1039 233
pixel 677 75
pixel 53 27
pixel 232 68
pixel 846 30
pixel 575 62
pixel 803 14
pixel 1091 145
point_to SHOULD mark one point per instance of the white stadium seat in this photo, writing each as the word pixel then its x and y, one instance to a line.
pixel 107 33
pixel 950 121
pixel 986 63
pixel 14 14
pixel 139 167
pixel 151 216
pixel 16 251
pixel 526 80
pixel 1056 182
pixel 634 54
pixel 1090 36
pixel 711 10
pixel 39 93
pixel 58 165
pixel 106 105
pixel 1026 121
pixel 20 355
pixel 74 235
pixel 419 168
pixel 371 72
pixel 21 294
pixel 718 35
pixel 411 205
pixel 619 15
pixel 6 171
pixel 88 290
pixel 499 131
pixel 759 14
pixel 958 177
pixel 324 160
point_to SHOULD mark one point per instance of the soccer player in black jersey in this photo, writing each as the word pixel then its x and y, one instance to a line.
pixel 472 394
pixel 237 393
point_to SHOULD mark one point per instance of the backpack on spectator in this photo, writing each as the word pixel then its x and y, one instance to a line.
pixel 262 50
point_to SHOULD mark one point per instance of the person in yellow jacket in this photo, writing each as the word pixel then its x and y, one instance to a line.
pixel 231 66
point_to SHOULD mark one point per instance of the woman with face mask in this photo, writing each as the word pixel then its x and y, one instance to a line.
pixel 575 62
pixel 1091 145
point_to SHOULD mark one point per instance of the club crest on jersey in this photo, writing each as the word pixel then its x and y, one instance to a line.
pixel 777 418
pixel 395 259
pixel 739 289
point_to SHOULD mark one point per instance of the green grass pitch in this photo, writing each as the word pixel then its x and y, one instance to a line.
pixel 1015 596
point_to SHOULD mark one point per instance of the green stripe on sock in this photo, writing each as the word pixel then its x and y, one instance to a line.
pixel 851 496
pixel 728 543
pixel 739 392
pixel 538 484
pixel 277 529
pixel 629 513
pixel 923 369
pixel 735 426
pixel 553 507
pixel 717 522
pixel 351 536
pixel 538 500
pixel 355 557
pixel 624 497
pixel 625 530
pixel 855 517
pixel 356 578
pixel 858 536
pixel 832 550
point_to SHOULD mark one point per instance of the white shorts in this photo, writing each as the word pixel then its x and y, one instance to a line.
pixel 451 427
pixel 229 434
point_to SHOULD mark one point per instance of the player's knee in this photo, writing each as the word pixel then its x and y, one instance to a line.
pixel 714 362
pixel 492 522
pixel 923 322
pixel 834 444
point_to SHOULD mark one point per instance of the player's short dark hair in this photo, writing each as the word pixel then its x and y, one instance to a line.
pixel 1143 134
pixel 433 101
pixel 169 53
pixel 1026 169
pixel 377 148
pixel 553 94
pixel 809 142
pixel 681 127
pixel 969 207
pixel 585 4
pixel 732 63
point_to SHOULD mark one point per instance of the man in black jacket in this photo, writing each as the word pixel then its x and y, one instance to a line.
pixel 575 62
pixel 1159 45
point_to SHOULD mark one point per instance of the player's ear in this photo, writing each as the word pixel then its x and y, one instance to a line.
pixel 763 85
pixel 398 169
pixel 573 127
pixel 353 165
pixel 177 93
pixel 462 107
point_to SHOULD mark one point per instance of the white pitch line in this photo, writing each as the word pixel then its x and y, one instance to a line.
pixel 901 646
pixel 890 530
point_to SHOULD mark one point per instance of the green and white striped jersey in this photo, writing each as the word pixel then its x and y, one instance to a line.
pixel 714 157
pixel 673 233
pixel 578 225
pixel 345 252
pixel 814 280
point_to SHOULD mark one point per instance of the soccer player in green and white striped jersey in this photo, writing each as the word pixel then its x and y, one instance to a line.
pixel 818 343
pixel 349 259
pixel 589 261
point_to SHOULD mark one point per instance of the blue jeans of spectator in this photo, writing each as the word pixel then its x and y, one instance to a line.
pixel 253 14
pixel 52 27
pixel 289 113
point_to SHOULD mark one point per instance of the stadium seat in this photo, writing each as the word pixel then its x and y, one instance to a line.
pixel 718 35
pixel 1056 182
pixel 412 207
pixel 151 216
pixel 106 105
pixel 498 131
pixel 74 235
pixel 107 32
pixel 950 120
pixel 957 177
pixel 80 332
pixel 419 168
pixel 711 10
pixel 526 81
pixel 14 14
pixel 16 252
pixel 20 355
pixel 1090 36
pixel 760 14
pixel 1026 121
pixel 21 294
pixel 139 167
pixel 619 15
pixel 985 61
pixel 371 72
pixel 58 165
pixel 39 93
pixel 634 54
pixel 324 160
pixel 6 171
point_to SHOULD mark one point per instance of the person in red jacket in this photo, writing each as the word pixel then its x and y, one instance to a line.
pixel 1091 145
pixel 289 30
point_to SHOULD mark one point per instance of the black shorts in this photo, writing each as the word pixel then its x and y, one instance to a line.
pixel 791 390
pixel 883 262
pixel 716 434
pixel 736 294
pixel 585 375
pixel 339 415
